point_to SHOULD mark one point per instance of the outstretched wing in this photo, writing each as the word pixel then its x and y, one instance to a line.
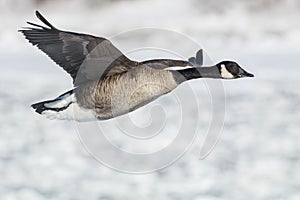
pixel 84 57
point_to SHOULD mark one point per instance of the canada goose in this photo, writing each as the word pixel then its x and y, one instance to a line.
pixel 107 83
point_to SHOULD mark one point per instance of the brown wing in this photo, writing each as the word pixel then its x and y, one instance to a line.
pixel 165 63
pixel 84 57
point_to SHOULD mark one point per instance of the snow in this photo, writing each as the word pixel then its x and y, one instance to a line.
pixel 257 155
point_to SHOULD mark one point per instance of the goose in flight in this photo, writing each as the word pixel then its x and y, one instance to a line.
pixel 106 83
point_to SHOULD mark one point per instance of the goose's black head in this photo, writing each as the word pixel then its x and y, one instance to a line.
pixel 231 70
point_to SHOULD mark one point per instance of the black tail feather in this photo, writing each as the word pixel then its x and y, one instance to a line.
pixel 40 106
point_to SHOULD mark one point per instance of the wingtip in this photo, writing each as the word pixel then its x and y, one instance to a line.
pixel 44 20
pixel 37 13
pixel 199 53
pixel 23 29
pixel 199 57
pixel 192 60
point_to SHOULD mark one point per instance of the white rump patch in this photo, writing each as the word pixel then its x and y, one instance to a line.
pixel 72 112
pixel 61 101
pixel 225 73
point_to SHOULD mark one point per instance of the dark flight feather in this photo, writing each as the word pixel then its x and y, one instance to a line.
pixel 84 57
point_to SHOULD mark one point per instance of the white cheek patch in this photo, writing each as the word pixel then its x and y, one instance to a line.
pixel 175 68
pixel 225 73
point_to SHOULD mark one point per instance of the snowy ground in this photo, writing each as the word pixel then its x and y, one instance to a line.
pixel 257 156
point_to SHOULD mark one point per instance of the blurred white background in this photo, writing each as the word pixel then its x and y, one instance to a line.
pixel 258 155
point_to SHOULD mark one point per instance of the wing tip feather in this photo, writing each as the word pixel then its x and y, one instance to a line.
pixel 48 26
pixel 43 19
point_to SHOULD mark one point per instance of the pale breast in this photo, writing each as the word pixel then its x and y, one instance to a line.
pixel 122 93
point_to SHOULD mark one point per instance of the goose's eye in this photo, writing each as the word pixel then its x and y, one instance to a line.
pixel 233 69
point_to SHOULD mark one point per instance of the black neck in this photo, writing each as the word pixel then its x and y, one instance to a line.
pixel 196 72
